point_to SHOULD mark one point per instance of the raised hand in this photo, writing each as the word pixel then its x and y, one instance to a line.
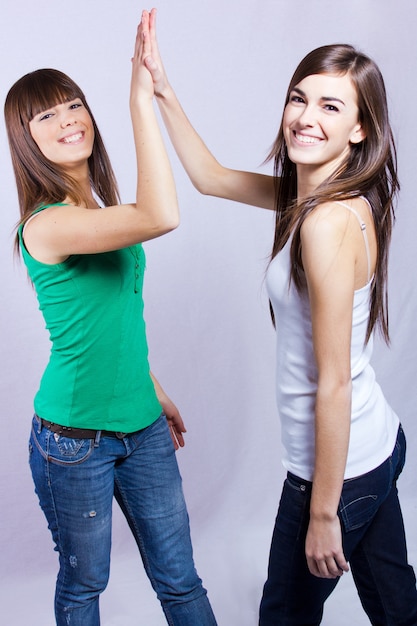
pixel 154 62
pixel 141 83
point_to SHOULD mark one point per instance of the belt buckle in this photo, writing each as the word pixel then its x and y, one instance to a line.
pixel 120 435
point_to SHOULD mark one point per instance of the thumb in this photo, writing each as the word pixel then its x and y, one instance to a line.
pixel 151 64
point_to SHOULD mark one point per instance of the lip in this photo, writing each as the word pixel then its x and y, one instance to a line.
pixel 73 138
pixel 304 139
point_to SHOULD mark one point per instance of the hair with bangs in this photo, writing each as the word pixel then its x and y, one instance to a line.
pixel 370 169
pixel 40 181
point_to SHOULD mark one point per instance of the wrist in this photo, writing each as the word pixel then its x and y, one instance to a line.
pixel 322 515
pixel 139 102
pixel 166 93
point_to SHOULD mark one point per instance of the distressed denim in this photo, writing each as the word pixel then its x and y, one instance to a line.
pixel 76 479
pixel 373 542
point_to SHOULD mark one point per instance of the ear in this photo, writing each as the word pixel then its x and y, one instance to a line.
pixel 358 134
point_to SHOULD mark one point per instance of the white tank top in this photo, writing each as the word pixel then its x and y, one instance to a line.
pixel 374 424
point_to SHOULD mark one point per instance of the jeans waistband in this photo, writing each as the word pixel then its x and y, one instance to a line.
pixel 80 433
pixel 301 482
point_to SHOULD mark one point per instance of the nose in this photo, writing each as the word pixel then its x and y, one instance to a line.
pixel 307 117
pixel 68 118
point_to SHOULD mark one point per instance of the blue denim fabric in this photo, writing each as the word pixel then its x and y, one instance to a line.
pixel 373 542
pixel 75 480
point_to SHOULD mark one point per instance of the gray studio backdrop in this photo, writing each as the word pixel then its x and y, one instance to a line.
pixel 210 336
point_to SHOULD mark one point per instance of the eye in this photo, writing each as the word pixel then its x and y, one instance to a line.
pixel 45 116
pixel 331 108
pixel 297 99
pixel 76 105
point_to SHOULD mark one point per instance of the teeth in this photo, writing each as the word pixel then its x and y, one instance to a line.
pixel 73 138
pixel 306 139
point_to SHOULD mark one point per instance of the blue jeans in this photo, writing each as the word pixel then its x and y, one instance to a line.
pixel 373 542
pixel 75 480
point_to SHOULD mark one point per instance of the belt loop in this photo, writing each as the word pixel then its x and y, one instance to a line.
pixel 97 438
pixel 38 419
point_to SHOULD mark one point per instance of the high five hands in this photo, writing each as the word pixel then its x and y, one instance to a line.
pixel 151 56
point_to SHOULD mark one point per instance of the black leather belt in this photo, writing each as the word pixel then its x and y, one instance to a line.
pixel 80 433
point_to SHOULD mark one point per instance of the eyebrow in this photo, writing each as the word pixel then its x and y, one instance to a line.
pixel 323 98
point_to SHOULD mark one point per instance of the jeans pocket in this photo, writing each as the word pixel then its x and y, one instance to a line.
pixel 361 497
pixel 58 449
pixel 399 453
pixel 293 511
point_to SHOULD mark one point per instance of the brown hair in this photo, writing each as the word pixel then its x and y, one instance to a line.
pixel 40 181
pixel 369 170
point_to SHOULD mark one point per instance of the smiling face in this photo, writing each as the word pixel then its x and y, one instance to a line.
pixel 321 121
pixel 64 134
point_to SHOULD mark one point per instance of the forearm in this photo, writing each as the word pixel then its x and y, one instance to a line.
pixel 160 393
pixel 156 198
pixel 332 430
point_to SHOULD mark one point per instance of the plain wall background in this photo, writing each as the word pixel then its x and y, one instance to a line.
pixel 210 336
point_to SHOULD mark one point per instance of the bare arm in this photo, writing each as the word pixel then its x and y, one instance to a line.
pixel 205 172
pixel 329 248
pixel 61 231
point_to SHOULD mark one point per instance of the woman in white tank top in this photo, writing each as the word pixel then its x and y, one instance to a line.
pixel 333 188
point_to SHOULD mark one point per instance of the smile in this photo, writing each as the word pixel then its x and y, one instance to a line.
pixel 72 138
pixel 307 139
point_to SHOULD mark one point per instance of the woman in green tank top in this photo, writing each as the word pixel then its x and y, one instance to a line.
pixel 103 425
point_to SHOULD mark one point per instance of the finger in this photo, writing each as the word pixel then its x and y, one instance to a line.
pixel 152 34
pixel 334 569
pixel 145 20
pixel 145 39
pixel 143 27
pixel 152 21
pixel 180 438
pixel 152 67
pixel 176 437
pixel 341 563
pixel 323 569
pixel 313 569
pixel 137 41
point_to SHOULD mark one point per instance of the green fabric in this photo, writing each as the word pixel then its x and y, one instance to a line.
pixel 98 373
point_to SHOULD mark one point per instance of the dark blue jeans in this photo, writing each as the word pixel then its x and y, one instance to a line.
pixel 373 542
pixel 76 480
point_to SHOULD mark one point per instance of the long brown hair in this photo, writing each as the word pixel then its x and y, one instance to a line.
pixel 40 181
pixel 370 169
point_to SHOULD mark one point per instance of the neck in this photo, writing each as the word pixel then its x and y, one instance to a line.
pixel 309 178
pixel 82 176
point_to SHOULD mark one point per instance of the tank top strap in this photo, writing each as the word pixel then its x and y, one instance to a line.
pixel 30 219
pixel 363 229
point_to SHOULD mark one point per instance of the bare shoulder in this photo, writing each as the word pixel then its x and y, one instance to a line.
pixel 327 220
pixel 39 223
pixel 333 236
pixel 337 218
pixel 41 228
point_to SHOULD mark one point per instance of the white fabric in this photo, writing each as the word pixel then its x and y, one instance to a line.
pixel 374 425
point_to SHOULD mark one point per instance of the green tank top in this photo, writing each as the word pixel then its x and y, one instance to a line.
pixel 98 373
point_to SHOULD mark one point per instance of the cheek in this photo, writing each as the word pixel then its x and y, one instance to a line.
pixel 32 132
pixel 287 120
pixel 40 139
